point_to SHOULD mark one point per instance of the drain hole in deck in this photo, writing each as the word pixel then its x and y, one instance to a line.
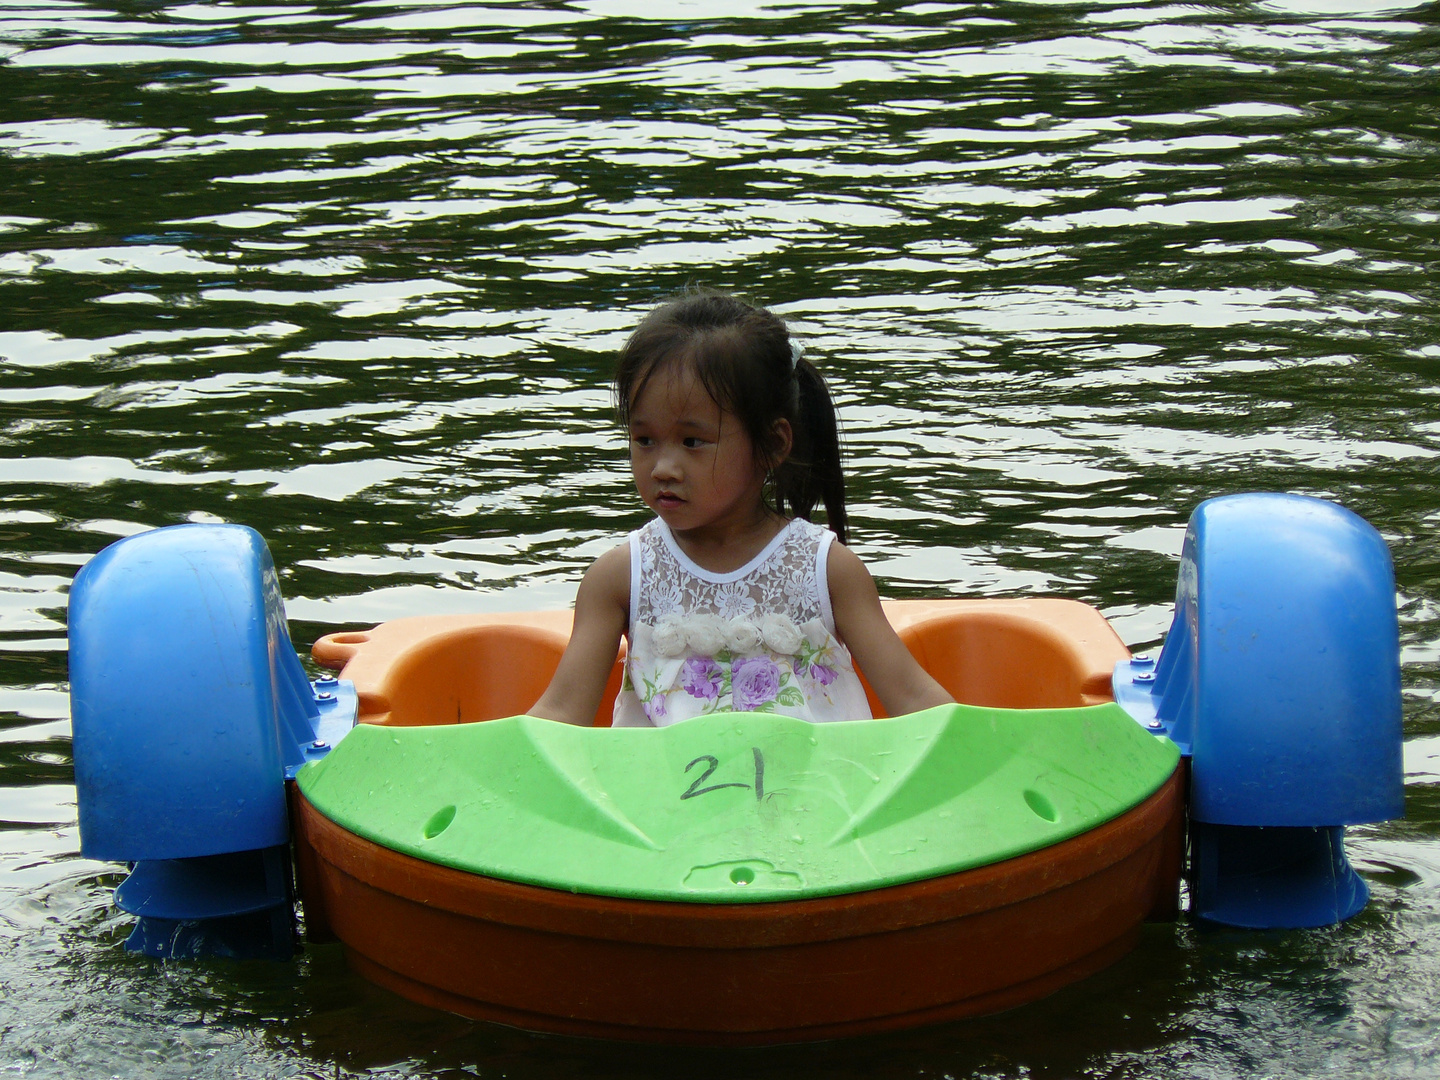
pixel 742 875
pixel 1040 805
pixel 439 822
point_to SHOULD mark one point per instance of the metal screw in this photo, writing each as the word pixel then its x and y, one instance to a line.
pixel 325 695
pixel 1154 724
pixel 319 744
pixel 1144 676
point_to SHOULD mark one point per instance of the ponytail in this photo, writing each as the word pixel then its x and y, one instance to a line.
pixel 812 473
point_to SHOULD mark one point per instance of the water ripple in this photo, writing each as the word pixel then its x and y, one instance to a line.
pixel 354 274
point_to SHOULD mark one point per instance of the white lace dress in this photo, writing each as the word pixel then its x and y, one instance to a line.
pixel 759 639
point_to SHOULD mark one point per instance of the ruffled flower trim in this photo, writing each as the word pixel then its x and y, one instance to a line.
pixel 708 635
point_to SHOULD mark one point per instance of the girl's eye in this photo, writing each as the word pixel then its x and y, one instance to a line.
pixel 641 440
pixel 694 442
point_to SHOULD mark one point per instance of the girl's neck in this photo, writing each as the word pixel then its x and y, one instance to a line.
pixel 724 548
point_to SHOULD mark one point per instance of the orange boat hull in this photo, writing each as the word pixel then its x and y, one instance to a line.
pixel 964 944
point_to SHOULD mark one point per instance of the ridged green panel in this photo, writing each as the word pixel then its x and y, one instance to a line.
pixel 738 807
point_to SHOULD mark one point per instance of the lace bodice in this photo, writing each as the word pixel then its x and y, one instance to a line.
pixel 758 639
pixel 782 578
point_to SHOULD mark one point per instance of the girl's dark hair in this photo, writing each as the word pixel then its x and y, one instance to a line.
pixel 743 357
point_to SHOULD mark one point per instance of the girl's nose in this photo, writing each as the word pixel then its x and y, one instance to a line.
pixel 666 467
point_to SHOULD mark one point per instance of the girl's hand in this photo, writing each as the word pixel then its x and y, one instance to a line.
pixel 902 685
pixel 602 607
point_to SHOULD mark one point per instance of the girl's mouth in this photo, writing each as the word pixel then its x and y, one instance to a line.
pixel 668 499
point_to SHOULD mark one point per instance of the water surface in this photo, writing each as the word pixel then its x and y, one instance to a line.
pixel 354 273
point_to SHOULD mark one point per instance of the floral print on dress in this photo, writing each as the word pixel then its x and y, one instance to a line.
pixel 758 640
pixel 702 678
pixel 727 666
pixel 819 663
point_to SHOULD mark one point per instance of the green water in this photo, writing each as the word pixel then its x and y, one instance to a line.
pixel 352 273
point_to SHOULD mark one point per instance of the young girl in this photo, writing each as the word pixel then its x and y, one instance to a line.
pixel 730 600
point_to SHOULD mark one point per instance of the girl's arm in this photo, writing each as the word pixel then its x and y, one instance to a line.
pixel 902 685
pixel 601 611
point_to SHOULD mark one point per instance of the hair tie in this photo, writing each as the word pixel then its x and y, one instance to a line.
pixel 796 352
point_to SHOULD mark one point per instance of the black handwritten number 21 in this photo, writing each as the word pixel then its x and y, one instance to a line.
pixel 712 763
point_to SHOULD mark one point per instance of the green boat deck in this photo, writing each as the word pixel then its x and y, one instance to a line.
pixel 739 807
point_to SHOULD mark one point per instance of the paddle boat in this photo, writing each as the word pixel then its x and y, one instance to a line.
pixel 738 878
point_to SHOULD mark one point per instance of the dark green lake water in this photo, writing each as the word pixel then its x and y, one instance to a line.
pixel 353 273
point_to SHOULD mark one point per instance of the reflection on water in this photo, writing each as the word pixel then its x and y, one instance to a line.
pixel 353 273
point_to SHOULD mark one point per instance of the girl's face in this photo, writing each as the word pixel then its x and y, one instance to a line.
pixel 693 463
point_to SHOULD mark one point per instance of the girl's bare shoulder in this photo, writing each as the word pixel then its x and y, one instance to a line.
pixel 609 575
pixel 845 571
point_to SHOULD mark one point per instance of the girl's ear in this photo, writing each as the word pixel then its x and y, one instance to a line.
pixel 782 438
